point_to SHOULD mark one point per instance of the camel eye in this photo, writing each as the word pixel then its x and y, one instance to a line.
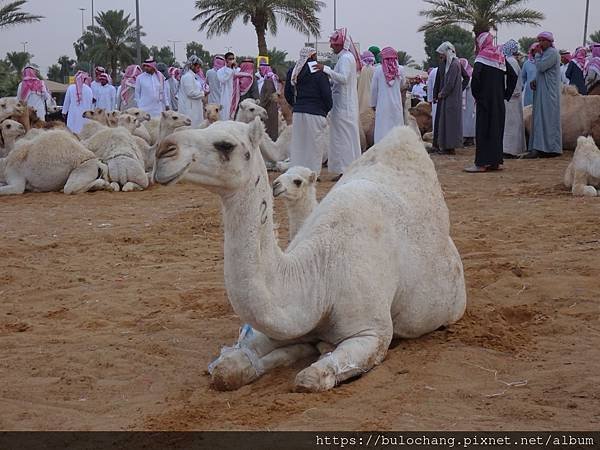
pixel 251 109
pixel 171 151
pixel 298 183
pixel 247 156
pixel 8 126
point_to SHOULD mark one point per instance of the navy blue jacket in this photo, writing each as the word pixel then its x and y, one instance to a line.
pixel 312 93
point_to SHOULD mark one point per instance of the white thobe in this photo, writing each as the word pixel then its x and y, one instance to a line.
pixel 214 96
pixel 468 113
pixel 563 74
pixel 37 101
pixel 191 93
pixel 260 80
pixel 75 120
pixel 147 94
pixel 514 130
pixel 388 101
pixel 307 129
pixel 418 91
pixel 344 117
pixel 174 93
pixel 225 76
pixel 106 97
pixel 94 86
pixel 430 87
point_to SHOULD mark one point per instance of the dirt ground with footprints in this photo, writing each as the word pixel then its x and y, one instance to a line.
pixel 112 306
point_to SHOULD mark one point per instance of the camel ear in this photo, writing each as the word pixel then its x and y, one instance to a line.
pixel 312 177
pixel 164 114
pixel 257 132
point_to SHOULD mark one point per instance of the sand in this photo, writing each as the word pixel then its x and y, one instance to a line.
pixel 113 304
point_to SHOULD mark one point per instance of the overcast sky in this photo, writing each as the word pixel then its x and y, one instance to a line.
pixel 381 22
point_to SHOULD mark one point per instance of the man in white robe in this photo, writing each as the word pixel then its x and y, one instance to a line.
pixel 386 96
pixel 78 99
pixel 95 85
pixel 174 81
pixel 151 93
pixel 191 92
pixel 226 76
pixel 430 98
pixel 344 148
pixel 106 94
pixel 34 92
pixel 514 131
pixel 214 96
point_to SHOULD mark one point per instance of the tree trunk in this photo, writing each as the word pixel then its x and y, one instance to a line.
pixel 262 41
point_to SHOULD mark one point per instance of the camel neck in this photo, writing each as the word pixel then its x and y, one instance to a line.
pixel 299 211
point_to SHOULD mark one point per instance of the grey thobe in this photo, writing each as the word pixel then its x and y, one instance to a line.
pixel 448 119
pixel 546 134
pixel 514 131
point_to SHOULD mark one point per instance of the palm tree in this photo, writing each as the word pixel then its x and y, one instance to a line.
pixel 218 16
pixel 482 15
pixel 595 37
pixel 11 14
pixel 18 60
pixel 526 42
pixel 404 59
pixel 112 40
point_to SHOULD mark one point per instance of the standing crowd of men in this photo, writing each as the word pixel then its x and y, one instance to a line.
pixel 481 104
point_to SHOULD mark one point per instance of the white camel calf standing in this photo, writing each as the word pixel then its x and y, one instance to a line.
pixel 374 260
pixel 298 189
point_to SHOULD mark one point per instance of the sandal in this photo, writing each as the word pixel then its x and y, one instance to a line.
pixel 476 169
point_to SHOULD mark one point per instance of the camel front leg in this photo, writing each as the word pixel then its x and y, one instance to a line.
pixel 86 177
pixel 15 185
pixel 253 355
pixel 352 357
pixel 580 185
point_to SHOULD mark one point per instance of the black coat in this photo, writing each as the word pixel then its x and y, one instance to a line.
pixel 576 78
pixel 312 93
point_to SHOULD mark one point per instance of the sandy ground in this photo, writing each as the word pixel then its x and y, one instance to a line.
pixel 112 305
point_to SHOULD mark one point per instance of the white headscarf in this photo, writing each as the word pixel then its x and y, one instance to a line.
pixel 305 54
pixel 447 49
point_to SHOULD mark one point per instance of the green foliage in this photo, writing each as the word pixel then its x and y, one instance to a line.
pixel 482 15
pixel 218 16
pixel 8 80
pixel 54 73
pixel 18 60
pixel 110 43
pixel 278 60
pixel 11 14
pixel 525 42
pixel 462 40
pixel 163 55
pixel 595 36
pixel 404 59
pixel 195 48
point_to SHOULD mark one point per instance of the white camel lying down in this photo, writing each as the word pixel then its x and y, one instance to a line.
pixel 53 161
pixel 298 189
pixel 583 174
pixel 374 260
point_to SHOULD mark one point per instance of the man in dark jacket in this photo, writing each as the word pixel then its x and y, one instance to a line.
pixel 309 93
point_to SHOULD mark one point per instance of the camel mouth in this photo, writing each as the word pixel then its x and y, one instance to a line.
pixel 175 177
pixel 278 189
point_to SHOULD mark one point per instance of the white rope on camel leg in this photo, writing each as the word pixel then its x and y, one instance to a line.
pixel 245 332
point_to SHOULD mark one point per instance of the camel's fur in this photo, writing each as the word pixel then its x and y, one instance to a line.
pixel 583 174
pixel 211 115
pixel 53 161
pixel 10 131
pixel 141 131
pixel 249 109
pixel 285 109
pixel 298 188
pixel 579 116
pixel 374 260
pixel 118 148
pixel 422 114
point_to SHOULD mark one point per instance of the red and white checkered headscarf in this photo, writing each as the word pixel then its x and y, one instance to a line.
pixel 342 37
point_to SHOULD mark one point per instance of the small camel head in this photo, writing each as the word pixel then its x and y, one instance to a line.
pixel 223 158
pixel 12 128
pixel 138 114
pixel 113 118
pixel 294 184
pixel 128 122
pixel 98 114
pixel 174 119
pixel 8 103
pixel 212 112
pixel 249 110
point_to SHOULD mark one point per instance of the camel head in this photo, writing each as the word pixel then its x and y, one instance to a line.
pixel 422 113
pixel 11 129
pixel 142 116
pixel 128 122
pixel 223 158
pixel 249 110
pixel 174 119
pixel 113 118
pixel 97 115
pixel 211 112
pixel 7 104
pixel 294 184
